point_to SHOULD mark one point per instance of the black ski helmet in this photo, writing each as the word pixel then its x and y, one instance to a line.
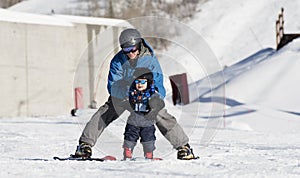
pixel 143 73
pixel 129 37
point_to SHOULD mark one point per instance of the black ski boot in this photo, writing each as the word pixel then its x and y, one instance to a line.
pixel 84 150
pixel 185 153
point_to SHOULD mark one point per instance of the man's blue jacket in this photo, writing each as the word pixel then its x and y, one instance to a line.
pixel 122 69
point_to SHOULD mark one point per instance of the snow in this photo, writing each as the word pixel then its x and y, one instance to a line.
pixel 21 17
pixel 258 137
pixel 249 25
pixel 45 7
pixel 59 20
pixel 94 21
pixel 275 79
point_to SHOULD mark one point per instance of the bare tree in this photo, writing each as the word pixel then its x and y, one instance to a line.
pixel 178 9
pixel 8 3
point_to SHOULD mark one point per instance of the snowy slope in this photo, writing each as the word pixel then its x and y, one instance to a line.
pixel 46 6
pixel 21 17
pixel 251 141
pixel 235 29
pixel 257 138
pixel 274 83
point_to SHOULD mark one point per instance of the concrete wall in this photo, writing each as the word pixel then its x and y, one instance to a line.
pixel 38 63
pixel 92 70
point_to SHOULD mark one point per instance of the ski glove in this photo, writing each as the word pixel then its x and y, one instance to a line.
pixel 120 89
pixel 122 104
pixel 156 104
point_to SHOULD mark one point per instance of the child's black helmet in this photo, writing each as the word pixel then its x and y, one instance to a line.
pixel 143 73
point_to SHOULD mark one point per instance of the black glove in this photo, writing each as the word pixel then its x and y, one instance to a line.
pixel 120 89
pixel 156 104
pixel 121 103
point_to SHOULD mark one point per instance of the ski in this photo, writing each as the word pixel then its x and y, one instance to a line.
pixel 142 159
pixel 187 159
pixel 73 158
pixel 197 157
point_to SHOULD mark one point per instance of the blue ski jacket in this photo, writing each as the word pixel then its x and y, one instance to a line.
pixel 122 69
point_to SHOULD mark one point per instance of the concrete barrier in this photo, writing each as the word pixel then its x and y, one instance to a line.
pixel 39 56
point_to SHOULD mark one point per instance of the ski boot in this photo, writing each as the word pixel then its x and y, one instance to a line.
pixel 127 153
pixel 185 153
pixel 84 150
pixel 149 155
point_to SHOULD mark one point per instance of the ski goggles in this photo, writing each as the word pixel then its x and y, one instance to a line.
pixel 130 49
pixel 141 81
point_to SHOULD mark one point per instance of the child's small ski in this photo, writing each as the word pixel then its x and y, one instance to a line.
pixel 142 159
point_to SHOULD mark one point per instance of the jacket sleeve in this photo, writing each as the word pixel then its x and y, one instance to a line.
pixel 115 74
pixel 158 78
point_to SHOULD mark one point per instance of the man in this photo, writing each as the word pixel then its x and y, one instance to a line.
pixel 135 53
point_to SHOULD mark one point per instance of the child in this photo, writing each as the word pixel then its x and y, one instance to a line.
pixel 138 124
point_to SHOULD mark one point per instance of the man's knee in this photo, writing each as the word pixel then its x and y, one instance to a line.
pixel 110 112
pixel 165 121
